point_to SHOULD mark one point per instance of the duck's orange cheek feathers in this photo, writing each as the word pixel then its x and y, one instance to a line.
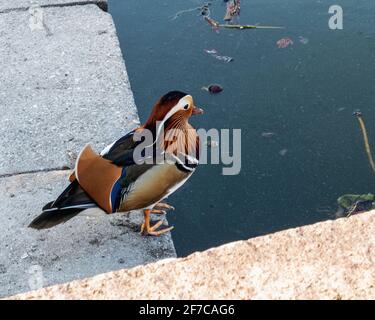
pixel 183 141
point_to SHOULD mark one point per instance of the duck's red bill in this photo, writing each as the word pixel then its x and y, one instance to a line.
pixel 197 110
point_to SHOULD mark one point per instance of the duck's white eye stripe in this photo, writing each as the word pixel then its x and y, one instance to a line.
pixel 183 101
pixel 179 106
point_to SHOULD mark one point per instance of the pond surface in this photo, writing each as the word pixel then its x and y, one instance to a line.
pixel 301 146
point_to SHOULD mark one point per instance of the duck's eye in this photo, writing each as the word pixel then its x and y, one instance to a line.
pixel 186 106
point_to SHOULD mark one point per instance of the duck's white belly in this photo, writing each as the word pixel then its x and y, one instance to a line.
pixel 154 185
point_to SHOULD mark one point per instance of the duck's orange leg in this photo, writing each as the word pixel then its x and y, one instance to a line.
pixel 146 228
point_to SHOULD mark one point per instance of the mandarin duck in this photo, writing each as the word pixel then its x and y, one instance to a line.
pixel 116 181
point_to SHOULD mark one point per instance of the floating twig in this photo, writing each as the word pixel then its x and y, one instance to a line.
pixel 217 25
pixel 247 26
pixel 212 22
pixel 359 116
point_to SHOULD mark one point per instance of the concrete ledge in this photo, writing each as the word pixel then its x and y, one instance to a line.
pixel 64 84
pixel 89 244
pixel 328 260
pixel 62 87
pixel 21 5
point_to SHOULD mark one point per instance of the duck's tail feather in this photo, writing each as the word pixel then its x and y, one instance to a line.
pixel 71 202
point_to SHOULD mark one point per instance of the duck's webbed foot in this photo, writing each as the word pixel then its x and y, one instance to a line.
pixel 163 205
pixel 161 208
pixel 156 211
pixel 146 228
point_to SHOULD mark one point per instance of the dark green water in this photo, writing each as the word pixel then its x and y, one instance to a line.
pixel 304 93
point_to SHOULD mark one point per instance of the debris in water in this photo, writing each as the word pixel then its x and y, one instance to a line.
pixel 203 10
pixel 303 40
pixel 233 10
pixel 212 22
pixel 284 42
pixel 268 134
pixel 214 53
pixel 225 59
pixel 283 152
pixel 213 88
pixel 354 203
pixel 247 26
pixel 216 25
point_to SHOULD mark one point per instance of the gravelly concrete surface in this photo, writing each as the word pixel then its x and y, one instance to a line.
pixel 8 5
pixel 327 260
pixel 89 244
pixel 62 85
pixel 60 88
